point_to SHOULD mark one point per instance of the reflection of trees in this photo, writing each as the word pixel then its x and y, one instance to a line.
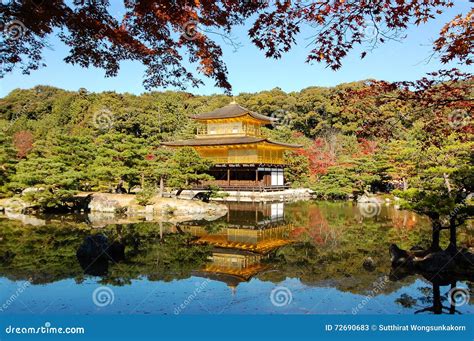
pixel 329 251
pixel 431 299
pixel 311 223
pixel 331 247
pixel 170 257
pixel 439 266
pixel 334 243
pixel 315 266
pixel 41 254
pixel 48 253
pixel 176 257
pixel 96 252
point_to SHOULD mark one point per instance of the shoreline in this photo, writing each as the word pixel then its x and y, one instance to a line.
pixel 105 208
pixel 291 194
pixel 110 208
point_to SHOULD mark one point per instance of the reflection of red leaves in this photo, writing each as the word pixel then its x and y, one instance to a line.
pixel 403 223
pixel 316 228
pixel 297 232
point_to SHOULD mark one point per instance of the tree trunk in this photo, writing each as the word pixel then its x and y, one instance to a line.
pixel 437 304
pixel 162 186
pixel 435 236
pixel 405 183
pixel 452 306
pixel 452 247
pixel 446 182
pixel 119 188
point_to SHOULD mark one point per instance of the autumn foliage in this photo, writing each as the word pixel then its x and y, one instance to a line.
pixel 23 143
pixel 171 37
pixel 320 156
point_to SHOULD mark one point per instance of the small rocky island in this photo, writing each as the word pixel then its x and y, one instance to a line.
pixel 106 208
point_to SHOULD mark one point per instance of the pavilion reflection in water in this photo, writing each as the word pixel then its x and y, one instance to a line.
pixel 248 235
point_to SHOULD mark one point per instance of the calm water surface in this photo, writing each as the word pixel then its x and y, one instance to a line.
pixel 278 258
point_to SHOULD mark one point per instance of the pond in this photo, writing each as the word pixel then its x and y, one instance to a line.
pixel 261 258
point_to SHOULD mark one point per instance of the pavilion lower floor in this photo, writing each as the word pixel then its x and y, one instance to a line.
pixel 245 177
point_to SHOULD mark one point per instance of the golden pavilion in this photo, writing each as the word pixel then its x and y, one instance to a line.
pixel 243 158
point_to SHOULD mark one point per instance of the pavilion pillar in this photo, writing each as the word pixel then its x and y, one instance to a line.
pixel 228 176
pixel 256 176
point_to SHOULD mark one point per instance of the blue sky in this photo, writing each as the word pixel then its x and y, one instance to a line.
pixel 250 71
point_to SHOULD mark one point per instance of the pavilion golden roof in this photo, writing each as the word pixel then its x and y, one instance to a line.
pixel 232 110
pixel 228 141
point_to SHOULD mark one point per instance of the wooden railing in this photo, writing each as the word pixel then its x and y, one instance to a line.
pixel 246 159
pixel 203 132
pixel 239 185
pixel 232 183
